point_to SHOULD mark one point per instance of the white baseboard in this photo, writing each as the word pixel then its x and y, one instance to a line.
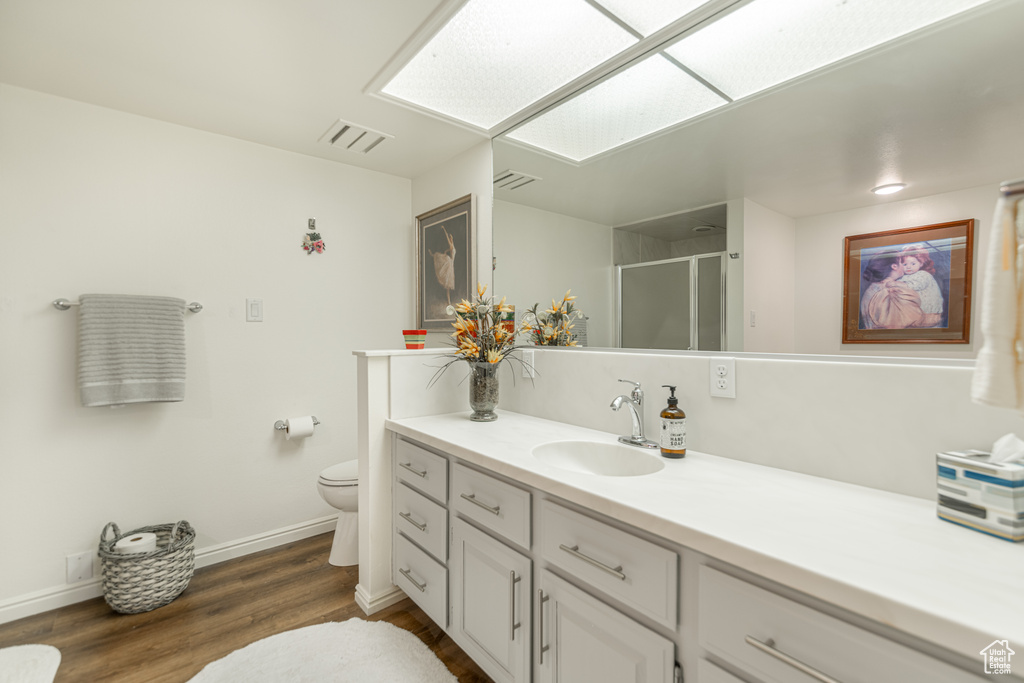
pixel 369 604
pixel 60 596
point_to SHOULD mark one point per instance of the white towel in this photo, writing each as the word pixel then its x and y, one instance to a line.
pixel 999 373
pixel 131 349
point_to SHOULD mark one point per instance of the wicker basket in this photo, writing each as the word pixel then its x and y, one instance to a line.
pixel 140 582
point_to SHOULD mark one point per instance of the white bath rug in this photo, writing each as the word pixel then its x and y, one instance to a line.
pixel 29 664
pixel 353 651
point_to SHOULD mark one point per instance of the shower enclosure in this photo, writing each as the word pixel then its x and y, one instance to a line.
pixel 676 303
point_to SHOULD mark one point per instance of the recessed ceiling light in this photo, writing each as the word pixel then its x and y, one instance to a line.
pixel 767 42
pixel 647 17
pixel 495 58
pixel 888 189
pixel 645 98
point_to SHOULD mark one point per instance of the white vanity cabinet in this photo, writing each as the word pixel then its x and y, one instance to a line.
pixel 490 589
pixel 776 640
pixel 544 589
pixel 583 640
pixel 420 520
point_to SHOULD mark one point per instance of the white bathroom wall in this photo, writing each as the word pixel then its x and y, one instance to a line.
pixel 568 253
pixel 864 421
pixel 467 174
pixel 769 270
pixel 819 271
pixel 94 200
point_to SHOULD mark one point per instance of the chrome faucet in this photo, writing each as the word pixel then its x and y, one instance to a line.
pixel 635 401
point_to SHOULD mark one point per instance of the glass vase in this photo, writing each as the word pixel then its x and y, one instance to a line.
pixel 483 391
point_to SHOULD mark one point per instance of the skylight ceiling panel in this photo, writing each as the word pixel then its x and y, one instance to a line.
pixel 767 42
pixel 647 17
pixel 495 58
pixel 643 99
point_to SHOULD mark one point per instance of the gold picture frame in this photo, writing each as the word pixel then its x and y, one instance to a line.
pixel 909 286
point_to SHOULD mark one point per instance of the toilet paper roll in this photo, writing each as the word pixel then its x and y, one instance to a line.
pixel 298 427
pixel 136 543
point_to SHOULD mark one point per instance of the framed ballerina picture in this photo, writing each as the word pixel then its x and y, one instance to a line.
pixel 444 262
pixel 909 286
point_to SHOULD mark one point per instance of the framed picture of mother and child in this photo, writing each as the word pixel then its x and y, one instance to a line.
pixel 909 286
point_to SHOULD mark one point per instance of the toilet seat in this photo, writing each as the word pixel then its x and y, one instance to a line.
pixel 341 475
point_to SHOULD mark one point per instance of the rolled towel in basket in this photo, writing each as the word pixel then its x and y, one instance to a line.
pixel 131 349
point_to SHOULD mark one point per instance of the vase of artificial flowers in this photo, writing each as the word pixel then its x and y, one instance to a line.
pixel 483 338
pixel 552 327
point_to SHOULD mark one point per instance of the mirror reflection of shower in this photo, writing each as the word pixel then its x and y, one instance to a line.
pixel 670 281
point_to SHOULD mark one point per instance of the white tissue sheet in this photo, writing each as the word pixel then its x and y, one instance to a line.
pixel 1007 449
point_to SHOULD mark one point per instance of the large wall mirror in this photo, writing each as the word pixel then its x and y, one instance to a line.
pixel 772 184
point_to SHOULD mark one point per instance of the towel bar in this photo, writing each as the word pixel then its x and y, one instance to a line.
pixel 1008 188
pixel 64 304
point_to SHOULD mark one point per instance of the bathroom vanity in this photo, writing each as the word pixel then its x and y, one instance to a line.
pixel 708 569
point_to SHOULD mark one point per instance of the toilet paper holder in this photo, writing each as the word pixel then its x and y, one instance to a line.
pixel 281 426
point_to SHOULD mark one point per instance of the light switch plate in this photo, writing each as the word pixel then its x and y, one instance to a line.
pixel 254 310
pixel 528 368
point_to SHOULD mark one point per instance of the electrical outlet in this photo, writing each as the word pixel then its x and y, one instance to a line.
pixel 723 377
pixel 80 566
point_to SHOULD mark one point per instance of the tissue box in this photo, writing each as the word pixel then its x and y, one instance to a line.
pixel 981 495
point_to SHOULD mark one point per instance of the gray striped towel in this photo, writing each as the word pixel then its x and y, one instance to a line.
pixel 131 349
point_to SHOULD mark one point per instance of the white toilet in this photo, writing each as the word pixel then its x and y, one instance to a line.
pixel 339 487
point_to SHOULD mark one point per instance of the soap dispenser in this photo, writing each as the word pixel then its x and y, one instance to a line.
pixel 673 427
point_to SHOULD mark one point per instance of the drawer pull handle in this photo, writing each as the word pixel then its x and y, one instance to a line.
pixel 496 510
pixel 421 586
pixel 407 517
pixel 543 648
pixel 513 624
pixel 768 647
pixel 408 466
pixel 575 552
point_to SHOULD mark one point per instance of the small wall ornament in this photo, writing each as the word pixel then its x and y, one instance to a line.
pixel 313 242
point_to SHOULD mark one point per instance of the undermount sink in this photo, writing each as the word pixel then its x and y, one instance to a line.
pixel 595 457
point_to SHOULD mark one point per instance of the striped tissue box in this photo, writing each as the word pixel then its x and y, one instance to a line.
pixel 981 495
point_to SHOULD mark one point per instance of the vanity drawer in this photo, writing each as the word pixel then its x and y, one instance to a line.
pixel 770 637
pixel 421 469
pixel 709 673
pixel 422 520
pixel 641 574
pixel 422 579
pixel 493 504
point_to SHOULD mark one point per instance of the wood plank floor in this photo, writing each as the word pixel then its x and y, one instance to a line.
pixel 226 607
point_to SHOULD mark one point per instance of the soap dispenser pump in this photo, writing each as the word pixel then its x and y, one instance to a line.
pixel 673 427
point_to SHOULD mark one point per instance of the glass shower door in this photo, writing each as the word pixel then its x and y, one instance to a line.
pixel 655 305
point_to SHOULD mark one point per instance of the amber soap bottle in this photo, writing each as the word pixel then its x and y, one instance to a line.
pixel 673 427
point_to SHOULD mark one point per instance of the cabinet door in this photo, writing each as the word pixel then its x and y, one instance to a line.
pixel 582 640
pixel 490 589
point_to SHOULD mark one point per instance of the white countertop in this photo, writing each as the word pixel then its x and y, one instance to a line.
pixel 882 555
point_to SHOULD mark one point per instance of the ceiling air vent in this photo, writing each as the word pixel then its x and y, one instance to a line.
pixel 353 137
pixel 512 180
